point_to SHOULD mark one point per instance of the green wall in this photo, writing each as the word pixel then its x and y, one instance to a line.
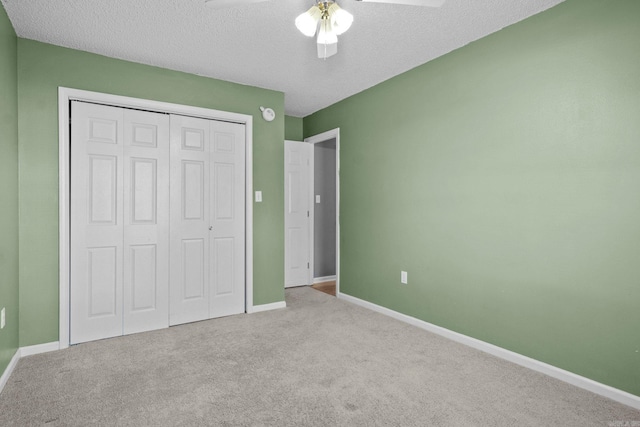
pixel 8 189
pixel 293 128
pixel 504 177
pixel 41 69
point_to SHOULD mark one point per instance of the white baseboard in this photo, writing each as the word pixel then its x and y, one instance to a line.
pixel 39 348
pixel 552 371
pixel 323 279
pixel 267 307
pixel 10 367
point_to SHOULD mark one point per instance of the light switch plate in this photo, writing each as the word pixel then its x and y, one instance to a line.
pixel 258 196
pixel 2 319
pixel 403 277
pixel 317 198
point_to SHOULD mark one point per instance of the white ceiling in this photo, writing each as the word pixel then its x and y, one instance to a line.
pixel 259 45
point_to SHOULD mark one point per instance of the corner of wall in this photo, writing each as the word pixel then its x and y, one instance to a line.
pixel 9 195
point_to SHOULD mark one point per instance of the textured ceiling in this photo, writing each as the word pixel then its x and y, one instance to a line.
pixel 259 45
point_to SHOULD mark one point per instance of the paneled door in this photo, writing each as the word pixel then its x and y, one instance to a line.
pixel 227 215
pixel 296 216
pixel 190 192
pixel 119 221
pixel 207 219
pixel 146 221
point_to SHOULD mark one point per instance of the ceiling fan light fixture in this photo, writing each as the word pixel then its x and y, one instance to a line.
pixel 333 21
pixel 307 22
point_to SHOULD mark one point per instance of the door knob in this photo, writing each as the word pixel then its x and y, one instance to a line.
pixel 210 227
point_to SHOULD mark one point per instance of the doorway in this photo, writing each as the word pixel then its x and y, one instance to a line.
pixel 312 206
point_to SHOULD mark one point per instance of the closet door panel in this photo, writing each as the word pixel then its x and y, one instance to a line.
pixel 146 221
pixel 189 253
pixel 227 278
pixel 96 222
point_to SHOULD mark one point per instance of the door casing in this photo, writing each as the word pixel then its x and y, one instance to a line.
pixel 326 136
pixel 65 95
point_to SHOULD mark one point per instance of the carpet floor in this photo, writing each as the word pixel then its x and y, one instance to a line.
pixel 319 362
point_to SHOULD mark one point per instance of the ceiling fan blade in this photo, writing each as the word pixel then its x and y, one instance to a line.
pixel 220 4
pixel 427 3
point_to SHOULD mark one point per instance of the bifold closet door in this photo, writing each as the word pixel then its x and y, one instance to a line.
pixel 189 293
pixel 227 215
pixel 146 221
pixel 207 219
pixel 119 221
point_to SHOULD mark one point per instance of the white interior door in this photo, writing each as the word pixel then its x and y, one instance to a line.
pixel 227 211
pixel 207 219
pixel 119 221
pixel 96 222
pixel 146 221
pixel 190 192
pixel 297 222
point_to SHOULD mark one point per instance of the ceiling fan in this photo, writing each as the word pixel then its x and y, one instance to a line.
pixel 333 19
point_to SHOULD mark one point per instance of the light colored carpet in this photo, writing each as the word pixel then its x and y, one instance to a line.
pixel 321 361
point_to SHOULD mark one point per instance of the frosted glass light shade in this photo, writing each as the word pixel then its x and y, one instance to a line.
pixel 341 20
pixel 307 22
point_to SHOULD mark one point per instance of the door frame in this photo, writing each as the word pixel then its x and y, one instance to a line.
pixel 322 137
pixel 65 96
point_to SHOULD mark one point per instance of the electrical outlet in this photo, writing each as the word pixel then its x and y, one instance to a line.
pixel 2 319
pixel 403 277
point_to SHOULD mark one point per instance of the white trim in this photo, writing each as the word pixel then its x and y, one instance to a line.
pixel 64 179
pixel 323 279
pixel 533 364
pixel 325 136
pixel 311 184
pixel 9 370
pixel 267 307
pixel 248 211
pixel 39 348
pixel 65 95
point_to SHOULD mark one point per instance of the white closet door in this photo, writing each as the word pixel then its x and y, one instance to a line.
pixel 207 219
pixel 119 221
pixel 146 221
pixel 157 220
pixel 227 211
pixel 190 189
pixel 96 222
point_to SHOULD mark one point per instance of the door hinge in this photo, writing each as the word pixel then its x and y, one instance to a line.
pixel 307 265
pixel 308 214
